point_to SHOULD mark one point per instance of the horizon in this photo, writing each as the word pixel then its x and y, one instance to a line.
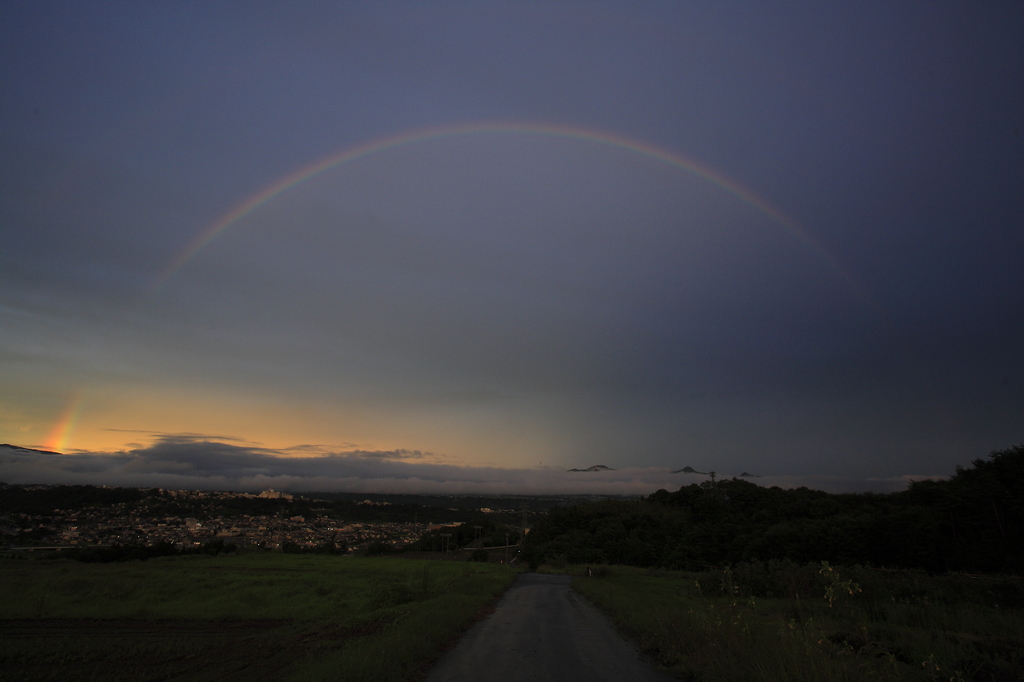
pixel 226 467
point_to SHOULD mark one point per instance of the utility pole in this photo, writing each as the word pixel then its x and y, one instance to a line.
pixel 445 542
pixel 712 475
pixel 506 549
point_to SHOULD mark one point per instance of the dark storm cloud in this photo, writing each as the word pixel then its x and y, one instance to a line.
pixel 537 298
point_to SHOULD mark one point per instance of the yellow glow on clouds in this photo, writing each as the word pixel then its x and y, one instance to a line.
pixel 99 421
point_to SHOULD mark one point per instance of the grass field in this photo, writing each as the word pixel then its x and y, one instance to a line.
pixel 247 617
pixel 756 623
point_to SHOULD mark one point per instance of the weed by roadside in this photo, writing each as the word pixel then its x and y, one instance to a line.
pixel 811 623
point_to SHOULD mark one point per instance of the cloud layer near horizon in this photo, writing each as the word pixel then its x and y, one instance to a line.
pixel 189 462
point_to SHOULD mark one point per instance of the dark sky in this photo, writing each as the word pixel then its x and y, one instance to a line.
pixel 779 238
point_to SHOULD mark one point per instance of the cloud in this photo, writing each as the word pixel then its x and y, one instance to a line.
pixel 185 462
pixel 320 448
pixel 390 454
pixel 190 436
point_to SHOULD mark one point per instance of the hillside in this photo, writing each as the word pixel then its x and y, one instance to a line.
pixel 969 522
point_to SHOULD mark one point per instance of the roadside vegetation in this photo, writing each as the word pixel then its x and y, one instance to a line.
pixel 735 582
pixel 252 616
pixel 783 622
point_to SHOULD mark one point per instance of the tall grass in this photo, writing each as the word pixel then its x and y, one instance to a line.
pixel 262 586
pixel 720 625
pixel 310 617
pixel 409 639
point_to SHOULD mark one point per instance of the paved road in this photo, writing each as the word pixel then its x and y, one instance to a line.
pixel 542 630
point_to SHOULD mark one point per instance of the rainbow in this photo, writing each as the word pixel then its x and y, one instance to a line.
pixel 64 426
pixel 274 189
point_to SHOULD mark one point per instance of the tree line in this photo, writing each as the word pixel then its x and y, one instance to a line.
pixel 487 533
pixel 971 522
pixel 44 501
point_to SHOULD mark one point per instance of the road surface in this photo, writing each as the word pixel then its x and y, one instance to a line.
pixel 542 630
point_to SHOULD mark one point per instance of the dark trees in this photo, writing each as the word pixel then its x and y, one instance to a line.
pixel 972 521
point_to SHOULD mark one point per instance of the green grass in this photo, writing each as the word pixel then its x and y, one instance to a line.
pixel 257 616
pixel 721 630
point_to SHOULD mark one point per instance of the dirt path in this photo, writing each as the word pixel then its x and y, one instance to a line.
pixel 542 630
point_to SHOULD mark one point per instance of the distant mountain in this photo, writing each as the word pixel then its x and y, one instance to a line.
pixel 596 467
pixel 747 475
pixel 689 470
pixel 16 447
